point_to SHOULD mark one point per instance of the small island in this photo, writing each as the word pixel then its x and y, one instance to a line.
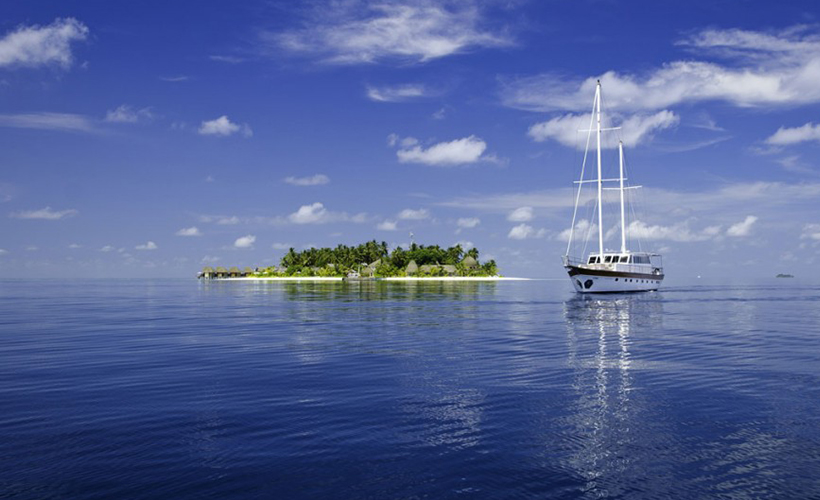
pixel 782 275
pixel 368 261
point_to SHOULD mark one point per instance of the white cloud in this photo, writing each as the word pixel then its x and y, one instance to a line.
pixel 524 231
pixel 224 127
pixel 309 214
pixel 226 59
pixel 410 214
pixel 281 246
pixel 440 114
pixel 758 69
pixel 635 129
pixel 126 114
pixel 388 225
pixel 457 152
pixel 468 222
pixel 742 228
pixel 189 231
pixel 36 45
pixel 44 214
pixel 521 214
pixel 582 228
pixel 107 248
pixel 786 136
pixel 64 122
pixel 245 241
pixel 397 93
pixel 74 246
pixel 222 220
pixel 677 232
pixel 811 232
pixel 363 32
pixel 3 251
pixel 174 79
pixel 150 245
pixel 210 259
pixel 314 180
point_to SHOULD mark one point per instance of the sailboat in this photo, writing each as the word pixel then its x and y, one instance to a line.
pixel 607 270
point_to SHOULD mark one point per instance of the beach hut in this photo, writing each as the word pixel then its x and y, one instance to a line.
pixel 234 272
pixel 247 271
pixel 207 273
pixel 469 262
pixel 412 268
pixel 221 272
pixel 448 269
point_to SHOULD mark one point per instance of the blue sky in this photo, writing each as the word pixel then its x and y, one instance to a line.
pixel 152 138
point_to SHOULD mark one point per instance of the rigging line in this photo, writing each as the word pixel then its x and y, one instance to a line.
pixel 583 168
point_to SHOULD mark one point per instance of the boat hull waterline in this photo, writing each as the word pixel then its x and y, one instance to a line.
pixel 586 280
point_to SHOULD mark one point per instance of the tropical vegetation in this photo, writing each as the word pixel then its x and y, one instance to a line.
pixel 375 258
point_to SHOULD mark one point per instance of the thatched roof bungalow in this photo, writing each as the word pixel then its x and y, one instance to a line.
pixel 412 268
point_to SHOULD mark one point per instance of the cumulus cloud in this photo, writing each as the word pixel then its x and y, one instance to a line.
pixel 582 228
pixel 150 245
pixel 309 214
pixel 44 214
pixel 245 241
pixel 388 225
pixel 410 214
pixel 524 231
pixel 222 220
pixel 468 222
pixel 458 152
pixel 635 129
pixel 189 231
pixel 364 32
pixel 174 79
pixel 521 214
pixel 281 246
pixel 756 69
pixel 224 127
pixel 404 142
pixel 396 93
pixel 786 136
pixel 33 46
pixel 811 232
pixel 3 251
pixel 64 122
pixel 743 228
pixel 680 232
pixel 107 248
pixel 313 180
pixel 127 114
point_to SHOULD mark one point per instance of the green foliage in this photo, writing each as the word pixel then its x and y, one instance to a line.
pixel 342 259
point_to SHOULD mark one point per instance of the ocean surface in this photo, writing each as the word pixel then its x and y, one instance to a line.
pixel 176 389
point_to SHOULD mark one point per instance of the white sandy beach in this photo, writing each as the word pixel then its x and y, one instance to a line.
pixel 397 278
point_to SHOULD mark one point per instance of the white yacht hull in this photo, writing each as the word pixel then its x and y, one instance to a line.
pixel 601 281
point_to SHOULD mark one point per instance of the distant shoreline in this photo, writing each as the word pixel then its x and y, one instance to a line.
pixel 395 278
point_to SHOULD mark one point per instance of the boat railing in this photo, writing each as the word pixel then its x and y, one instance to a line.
pixel 617 266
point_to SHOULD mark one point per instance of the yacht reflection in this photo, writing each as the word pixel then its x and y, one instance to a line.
pixel 605 418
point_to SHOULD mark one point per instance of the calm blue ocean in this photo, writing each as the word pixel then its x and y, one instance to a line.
pixel 184 390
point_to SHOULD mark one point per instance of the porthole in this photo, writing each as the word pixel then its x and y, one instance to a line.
pixel 588 284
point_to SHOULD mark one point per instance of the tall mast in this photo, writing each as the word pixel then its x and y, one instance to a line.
pixel 623 213
pixel 600 179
